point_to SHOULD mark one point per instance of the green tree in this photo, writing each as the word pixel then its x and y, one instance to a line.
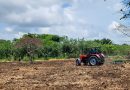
pixel 5 49
pixel 29 45
pixel 106 41
pixel 103 41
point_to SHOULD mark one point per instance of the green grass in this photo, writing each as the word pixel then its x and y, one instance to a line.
pixel 26 59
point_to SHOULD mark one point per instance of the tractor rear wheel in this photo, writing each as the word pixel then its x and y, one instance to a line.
pixel 93 60
pixel 78 62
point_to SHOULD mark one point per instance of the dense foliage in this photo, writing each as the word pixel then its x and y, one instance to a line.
pixel 53 46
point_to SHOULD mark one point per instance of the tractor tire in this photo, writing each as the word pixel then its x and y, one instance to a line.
pixel 93 61
pixel 78 62
pixel 101 61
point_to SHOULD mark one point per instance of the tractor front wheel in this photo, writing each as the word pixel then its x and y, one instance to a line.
pixel 78 62
pixel 93 61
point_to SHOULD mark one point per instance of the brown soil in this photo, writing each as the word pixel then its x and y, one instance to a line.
pixel 63 75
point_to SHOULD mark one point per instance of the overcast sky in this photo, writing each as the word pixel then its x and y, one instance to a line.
pixel 89 19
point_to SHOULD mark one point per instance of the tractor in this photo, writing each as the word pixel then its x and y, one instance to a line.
pixel 93 57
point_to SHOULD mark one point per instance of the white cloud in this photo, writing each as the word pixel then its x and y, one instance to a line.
pixel 113 25
pixel 43 16
pixel 74 18
pixel 33 13
pixel 8 29
pixel 44 30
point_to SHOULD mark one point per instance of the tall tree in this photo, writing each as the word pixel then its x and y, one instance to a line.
pixel 106 41
pixel 5 49
pixel 29 45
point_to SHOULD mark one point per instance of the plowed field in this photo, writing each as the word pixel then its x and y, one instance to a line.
pixel 63 75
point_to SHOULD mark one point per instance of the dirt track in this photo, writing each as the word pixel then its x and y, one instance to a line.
pixel 63 75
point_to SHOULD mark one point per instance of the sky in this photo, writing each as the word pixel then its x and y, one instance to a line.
pixel 88 19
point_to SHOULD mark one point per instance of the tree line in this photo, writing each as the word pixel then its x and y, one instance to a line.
pixel 46 46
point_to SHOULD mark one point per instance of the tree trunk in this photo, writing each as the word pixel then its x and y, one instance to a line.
pixel 31 58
